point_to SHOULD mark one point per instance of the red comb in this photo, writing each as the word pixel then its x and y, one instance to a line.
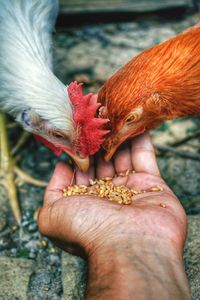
pixel 89 128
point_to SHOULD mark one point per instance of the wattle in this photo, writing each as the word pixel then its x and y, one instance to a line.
pixel 48 144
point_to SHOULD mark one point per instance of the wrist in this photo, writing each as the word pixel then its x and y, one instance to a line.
pixel 136 245
pixel 146 266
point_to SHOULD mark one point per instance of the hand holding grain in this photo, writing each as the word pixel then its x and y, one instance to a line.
pixel 140 240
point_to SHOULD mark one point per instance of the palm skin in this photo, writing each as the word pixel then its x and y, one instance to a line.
pixel 133 251
pixel 85 224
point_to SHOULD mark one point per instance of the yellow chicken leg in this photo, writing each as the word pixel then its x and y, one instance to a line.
pixel 9 170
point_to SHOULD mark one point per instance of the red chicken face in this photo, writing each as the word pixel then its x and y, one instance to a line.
pixel 82 139
pixel 55 139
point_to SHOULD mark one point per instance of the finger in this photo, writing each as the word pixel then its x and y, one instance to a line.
pixel 83 178
pixel 123 160
pixel 104 169
pixel 120 180
pixel 62 177
pixel 145 181
pixel 143 155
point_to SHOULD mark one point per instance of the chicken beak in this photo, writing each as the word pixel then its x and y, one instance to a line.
pixel 110 145
pixel 109 154
pixel 113 142
pixel 82 163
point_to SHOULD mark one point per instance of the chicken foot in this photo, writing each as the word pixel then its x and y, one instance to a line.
pixel 23 139
pixel 10 173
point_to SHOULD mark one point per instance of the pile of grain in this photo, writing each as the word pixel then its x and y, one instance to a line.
pixel 105 188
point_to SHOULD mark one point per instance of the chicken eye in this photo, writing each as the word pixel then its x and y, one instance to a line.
pixel 57 135
pixel 26 118
pixel 135 115
pixel 130 119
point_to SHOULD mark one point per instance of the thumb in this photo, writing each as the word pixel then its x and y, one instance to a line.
pixel 62 177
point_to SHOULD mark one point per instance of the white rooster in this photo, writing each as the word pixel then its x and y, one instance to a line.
pixel 59 116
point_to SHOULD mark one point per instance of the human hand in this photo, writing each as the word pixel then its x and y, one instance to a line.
pixel 91 222
pixel 99 229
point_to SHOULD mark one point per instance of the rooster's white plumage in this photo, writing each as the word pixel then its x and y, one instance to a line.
pixel 60 116
pixel 27 83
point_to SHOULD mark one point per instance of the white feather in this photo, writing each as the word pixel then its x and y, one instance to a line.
pixel 26 79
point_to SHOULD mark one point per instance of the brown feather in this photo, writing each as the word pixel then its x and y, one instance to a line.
pixel 164 80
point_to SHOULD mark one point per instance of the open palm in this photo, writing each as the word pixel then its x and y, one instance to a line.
pixel 82 224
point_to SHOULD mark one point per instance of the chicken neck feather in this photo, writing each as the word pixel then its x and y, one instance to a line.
pixel 26 78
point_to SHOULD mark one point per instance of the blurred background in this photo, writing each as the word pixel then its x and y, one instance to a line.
pixel 93 39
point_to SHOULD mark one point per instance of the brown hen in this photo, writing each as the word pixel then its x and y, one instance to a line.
pixel 161 83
